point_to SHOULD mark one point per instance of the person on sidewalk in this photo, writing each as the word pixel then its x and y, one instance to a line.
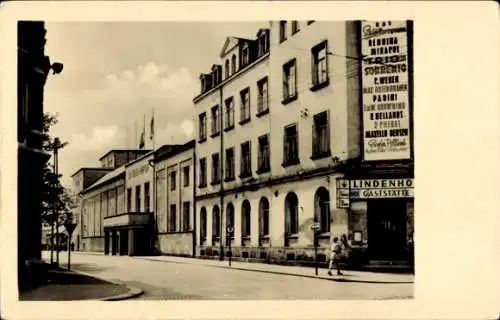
pixel 335 254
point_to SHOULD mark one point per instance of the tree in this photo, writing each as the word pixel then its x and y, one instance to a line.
pixel 54 200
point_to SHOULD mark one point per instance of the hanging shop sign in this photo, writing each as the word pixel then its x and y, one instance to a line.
pixel 380 188
pixel 386 114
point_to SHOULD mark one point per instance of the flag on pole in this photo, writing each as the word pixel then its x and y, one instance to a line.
pixel 152 127
pixel 142 141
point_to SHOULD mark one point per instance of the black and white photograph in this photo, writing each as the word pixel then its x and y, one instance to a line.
pixel 242 160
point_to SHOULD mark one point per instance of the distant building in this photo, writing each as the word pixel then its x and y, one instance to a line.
pixel 33 69
pixel 175 206
pixel 102 194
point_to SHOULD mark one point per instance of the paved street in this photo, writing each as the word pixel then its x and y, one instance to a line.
pixel 167 280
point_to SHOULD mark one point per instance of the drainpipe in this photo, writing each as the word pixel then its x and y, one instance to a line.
pixel 194 201
pixel 221 256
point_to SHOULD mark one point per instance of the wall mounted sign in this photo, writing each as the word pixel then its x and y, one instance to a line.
pixel 386 113
pixel 381 188
pixel 343 193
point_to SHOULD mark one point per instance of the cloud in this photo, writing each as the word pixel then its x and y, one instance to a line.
pixel 100 137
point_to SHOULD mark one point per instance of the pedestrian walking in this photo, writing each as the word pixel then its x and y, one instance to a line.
pixel 335 254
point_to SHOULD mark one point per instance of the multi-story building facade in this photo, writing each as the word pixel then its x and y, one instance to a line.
pixel 286 175
pixel 33 69
pixel 174 192
pixel 233 101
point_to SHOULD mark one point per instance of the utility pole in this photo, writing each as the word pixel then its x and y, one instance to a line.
pixel 57 144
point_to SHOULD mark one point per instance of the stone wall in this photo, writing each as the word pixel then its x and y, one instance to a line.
pixel 179 244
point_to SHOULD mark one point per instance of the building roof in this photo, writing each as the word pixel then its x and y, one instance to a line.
pixel 168 151
pixel 123 150
pixel 140 158
pixel 107 178
pixel 89 168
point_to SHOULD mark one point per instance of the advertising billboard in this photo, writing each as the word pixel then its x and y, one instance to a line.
pixel 385 96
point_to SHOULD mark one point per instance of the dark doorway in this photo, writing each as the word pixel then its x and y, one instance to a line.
pixel 387 229
pixel 123 242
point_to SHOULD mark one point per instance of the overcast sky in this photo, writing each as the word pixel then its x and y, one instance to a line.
pixel 117 72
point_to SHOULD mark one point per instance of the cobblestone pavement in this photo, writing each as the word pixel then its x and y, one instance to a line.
pixel 162 280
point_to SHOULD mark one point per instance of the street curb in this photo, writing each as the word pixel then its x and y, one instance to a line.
pixel 283 273
pixel 133 292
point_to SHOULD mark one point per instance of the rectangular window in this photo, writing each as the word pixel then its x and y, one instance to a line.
pixel 290 145
pixel 215 121
pixel 185 174
pixel 129 200
pixel 245 105
pixel 319 64
pixel 321 135
pixel 146 197
pixel 172 221
pixel 246 160
pixel 173 180
pixel 229 116
pixel 203 172
pixel 229 164
pixel 295 27
pixel 186 223
pixel 245 56
pixel 215 168
pixel 203 126
pixel 289 80
pixel 282 31
pixel 263 44
pixel 264 154
pixel 263 97
pixel 138 199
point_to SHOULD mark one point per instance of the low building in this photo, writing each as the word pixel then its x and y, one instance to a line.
pixel 175 206
pixel 103 199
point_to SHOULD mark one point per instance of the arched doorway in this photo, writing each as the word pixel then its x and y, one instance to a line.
pixel 245 221
pixel 203 225
pixel 216 222
pixel 263 221
pixel 322 209
pixel 291 216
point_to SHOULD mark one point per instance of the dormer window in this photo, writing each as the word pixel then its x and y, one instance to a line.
pixel 203 83
pixel 245 55
pixel 227 69
pixel 263 44
pixel 215 77
pixel 233 64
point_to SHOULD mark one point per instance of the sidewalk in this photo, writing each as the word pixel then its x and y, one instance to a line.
pixel 349 276
pixel 63 285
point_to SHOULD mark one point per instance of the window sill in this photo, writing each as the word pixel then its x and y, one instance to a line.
pixel 231 127
pixel 202 140
pixel 321 155
pixel 323 235
pixel 204 185
pixel 245 175
pixel 214 183
pixel 291 162
pixel 242 122
pixel 262 113
pixel 319 86
pixel 245 237
pixel 289 99
pixel 215 134
pixel 265 237
pixel 292 236
pixel 229 179
pixel 263 170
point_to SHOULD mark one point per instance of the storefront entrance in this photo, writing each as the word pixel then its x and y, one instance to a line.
pixel 387 229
